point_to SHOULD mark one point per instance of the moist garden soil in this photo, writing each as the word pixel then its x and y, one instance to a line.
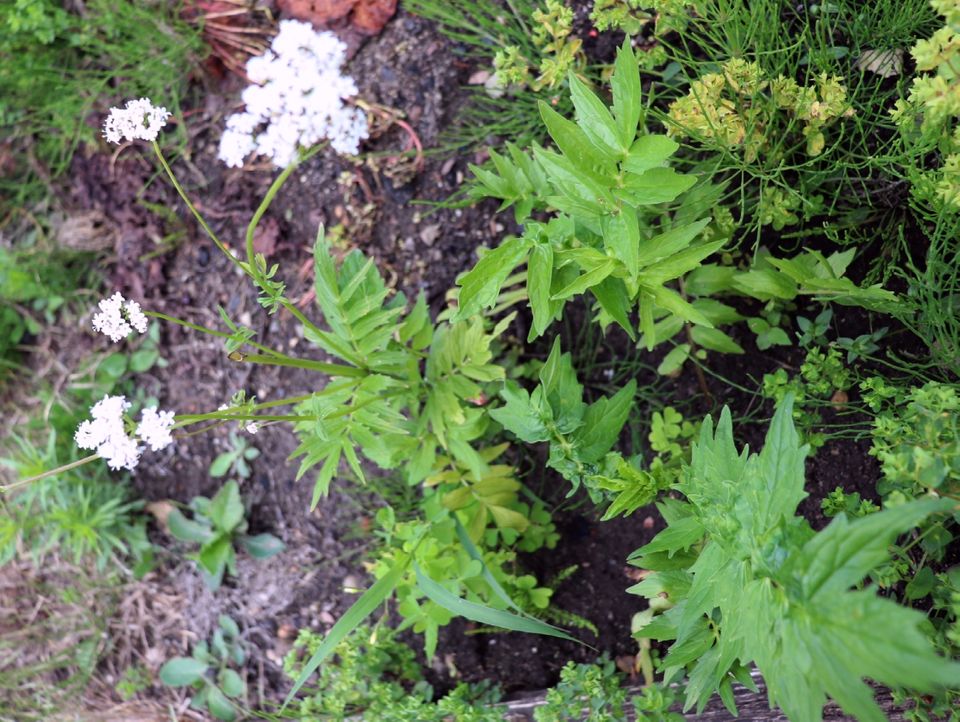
pixel 419 248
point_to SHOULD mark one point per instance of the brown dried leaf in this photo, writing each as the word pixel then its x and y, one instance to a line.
pixel 265 236
pixel 160 510
pixel 369 16
pixel 87 231
pixel 885 63
pixel 320 12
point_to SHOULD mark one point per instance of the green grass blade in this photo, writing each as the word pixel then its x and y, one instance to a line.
pixel 487 575
pixel 351 619
pixel 484 614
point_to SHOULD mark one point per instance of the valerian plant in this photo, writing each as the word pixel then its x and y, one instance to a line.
pixel 408 394
pixel 742 580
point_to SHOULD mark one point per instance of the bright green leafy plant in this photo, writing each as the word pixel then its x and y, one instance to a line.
pixel 376 676
pixel 208 671
pixel 748 582
pixel 218 525
pixel 235 460
pixel 608 233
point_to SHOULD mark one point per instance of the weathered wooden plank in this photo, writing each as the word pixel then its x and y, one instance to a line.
pixel 751 705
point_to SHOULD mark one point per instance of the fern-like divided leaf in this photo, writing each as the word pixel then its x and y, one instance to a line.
pixel 765 590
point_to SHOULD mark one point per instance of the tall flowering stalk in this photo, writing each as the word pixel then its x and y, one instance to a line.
pixel 109 432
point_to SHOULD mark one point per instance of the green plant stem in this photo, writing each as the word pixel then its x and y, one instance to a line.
pixel 265 204
pixel 4 488
pixel 272 357
pixel 196 214
pixel 213 332
pixel 321 366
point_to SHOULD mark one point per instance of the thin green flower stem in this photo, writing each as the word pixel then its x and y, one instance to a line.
pixel 283 402
pixel 265 204
pixel 52 472
pixel 189 419
pixel 196 214
pixel 213 332
pixel 321 366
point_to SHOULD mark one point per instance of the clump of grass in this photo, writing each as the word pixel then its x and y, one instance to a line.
pixel 849 180
pixel 60 65
pixel 52 632
pixel 480 29
pixel 934 287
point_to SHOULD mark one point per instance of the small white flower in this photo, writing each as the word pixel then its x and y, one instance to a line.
pixel 137 120
pixel 118 318
pixel 135 316
pixel 154 428
pixel 251 427
pixel 120 452
pixel 105 432
pixel 297 99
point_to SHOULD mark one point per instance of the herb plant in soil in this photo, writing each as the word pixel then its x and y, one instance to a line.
pixel 442 413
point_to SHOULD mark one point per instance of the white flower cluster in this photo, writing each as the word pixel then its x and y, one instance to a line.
pixel 118 317
pixel 105 432
pixel 137 120
pixel 298 93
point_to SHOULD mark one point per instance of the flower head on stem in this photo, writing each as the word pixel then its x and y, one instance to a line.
pixel 118 317
pixel 137 120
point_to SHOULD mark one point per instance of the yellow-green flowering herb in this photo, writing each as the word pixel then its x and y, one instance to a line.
pixel 739 108
pixel 928 117
pixel 557 51
pixel 511 67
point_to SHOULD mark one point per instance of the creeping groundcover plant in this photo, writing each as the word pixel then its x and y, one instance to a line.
pixel 736 584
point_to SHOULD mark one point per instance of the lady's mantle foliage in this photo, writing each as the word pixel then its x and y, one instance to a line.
pixel 747 581
pixel 298 93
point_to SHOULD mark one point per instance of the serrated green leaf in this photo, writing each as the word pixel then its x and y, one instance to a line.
pixel 611 294
pixel 576 146
pixel 649 151
pixel 539 278
pixel 519 416
pixel 585 281
pixel 602 423
pixel 669 243
pixel 657 185
pixel 621 235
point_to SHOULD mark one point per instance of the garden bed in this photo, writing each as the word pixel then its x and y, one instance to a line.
pixel 394 206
